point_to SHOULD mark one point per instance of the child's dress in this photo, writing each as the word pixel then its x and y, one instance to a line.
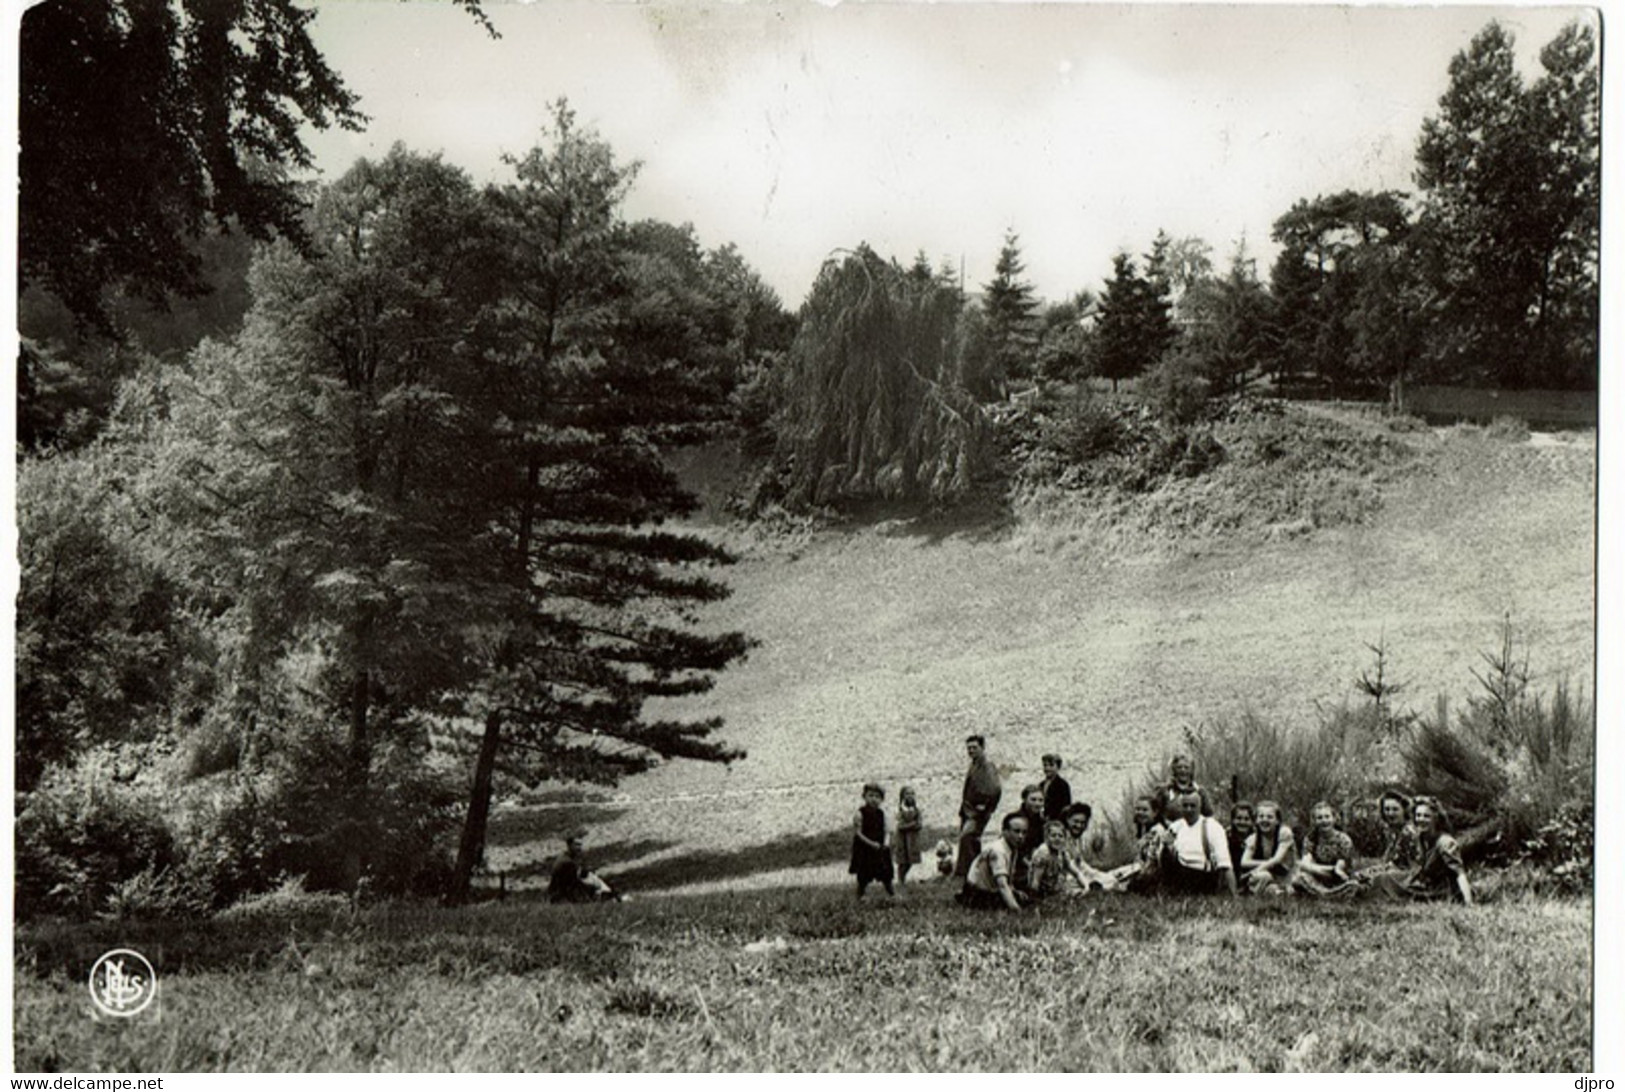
pixel 871 863
pixel 909 823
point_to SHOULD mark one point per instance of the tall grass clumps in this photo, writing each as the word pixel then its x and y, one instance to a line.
pixel 1513 765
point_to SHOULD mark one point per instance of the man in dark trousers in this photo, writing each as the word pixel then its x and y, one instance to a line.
pixel 572 879
pixel 1057 793
pixel 976 804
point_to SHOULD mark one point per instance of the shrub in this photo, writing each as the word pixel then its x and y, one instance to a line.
pixel 1511 764
pixel 88 834
pixel 287 904
pixel 1513 430
pixel 1250 758
pixel 1083 428
pixel 1405 422
pixel 1175 389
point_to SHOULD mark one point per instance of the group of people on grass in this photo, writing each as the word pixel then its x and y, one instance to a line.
pixel 1043 848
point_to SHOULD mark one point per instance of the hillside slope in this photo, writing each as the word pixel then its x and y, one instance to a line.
pixel 882 648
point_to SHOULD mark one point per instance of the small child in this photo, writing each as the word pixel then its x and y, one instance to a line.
pixel 871 842
pixel 1048 864
pixel 909 822
pixel 945 859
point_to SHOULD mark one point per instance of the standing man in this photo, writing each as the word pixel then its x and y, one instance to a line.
pixel 976 804
pixel 1057 793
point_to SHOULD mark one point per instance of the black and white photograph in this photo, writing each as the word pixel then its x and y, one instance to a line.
pixel 590 536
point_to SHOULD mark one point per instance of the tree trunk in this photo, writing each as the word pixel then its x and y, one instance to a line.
pixel 353 830
pixel 479 812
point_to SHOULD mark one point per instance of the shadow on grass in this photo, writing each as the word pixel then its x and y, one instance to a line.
pixel 524 825
pixel 600 860
pixel 983 516
pixel 793 851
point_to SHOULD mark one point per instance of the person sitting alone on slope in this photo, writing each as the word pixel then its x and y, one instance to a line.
pixel 572 879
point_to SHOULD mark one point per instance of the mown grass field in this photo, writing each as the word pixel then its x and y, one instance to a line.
pixel 807 979
pixel 1057 628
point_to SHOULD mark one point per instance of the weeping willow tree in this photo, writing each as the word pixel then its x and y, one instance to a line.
pixel 874 402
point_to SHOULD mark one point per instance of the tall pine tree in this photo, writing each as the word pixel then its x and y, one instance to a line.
pixel 1134 329
pixel 1009 308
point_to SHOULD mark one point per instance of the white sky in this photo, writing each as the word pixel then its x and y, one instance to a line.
pixel 795 129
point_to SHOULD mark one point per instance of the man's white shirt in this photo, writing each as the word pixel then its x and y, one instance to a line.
pixel 1188 844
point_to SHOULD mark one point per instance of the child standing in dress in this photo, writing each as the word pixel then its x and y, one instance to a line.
pixel 871 842
pixel 909 823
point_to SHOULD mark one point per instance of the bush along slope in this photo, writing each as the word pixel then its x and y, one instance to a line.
pixel 1513 766
pixel 1253 466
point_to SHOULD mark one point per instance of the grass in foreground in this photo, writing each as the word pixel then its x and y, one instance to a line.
pixel 808 980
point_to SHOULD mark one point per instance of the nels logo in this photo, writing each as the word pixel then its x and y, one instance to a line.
pixel 122 983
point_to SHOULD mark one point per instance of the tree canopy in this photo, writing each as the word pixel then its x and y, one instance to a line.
pixel 1510 180
pixel 1134 328
pixel 874 402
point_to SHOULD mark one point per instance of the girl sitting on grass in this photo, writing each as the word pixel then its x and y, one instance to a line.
pixel 1269 854
pixel 1439 873
pixel 1327 866
pixel 908 826
pixel 1403 845
pixel 871 842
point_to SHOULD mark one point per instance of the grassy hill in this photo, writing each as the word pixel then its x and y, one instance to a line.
pixel 1095 629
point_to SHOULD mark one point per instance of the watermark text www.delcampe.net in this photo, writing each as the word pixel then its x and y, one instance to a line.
pixel 88 1084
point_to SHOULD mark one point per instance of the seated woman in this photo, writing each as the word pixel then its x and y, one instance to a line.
pixel 1269 854
pixel 1240 829
pixel 1402 848
pixel 1327 866
pixel 1150 835
pixel 1081 876
pixel 1439 872
pixel 1032 810
pixel 572 880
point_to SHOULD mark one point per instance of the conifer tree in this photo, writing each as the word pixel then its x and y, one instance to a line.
pixel 1010 306
pixel 1134 328
pixel 598 603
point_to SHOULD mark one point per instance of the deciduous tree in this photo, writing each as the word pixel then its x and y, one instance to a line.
pixel 875 404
